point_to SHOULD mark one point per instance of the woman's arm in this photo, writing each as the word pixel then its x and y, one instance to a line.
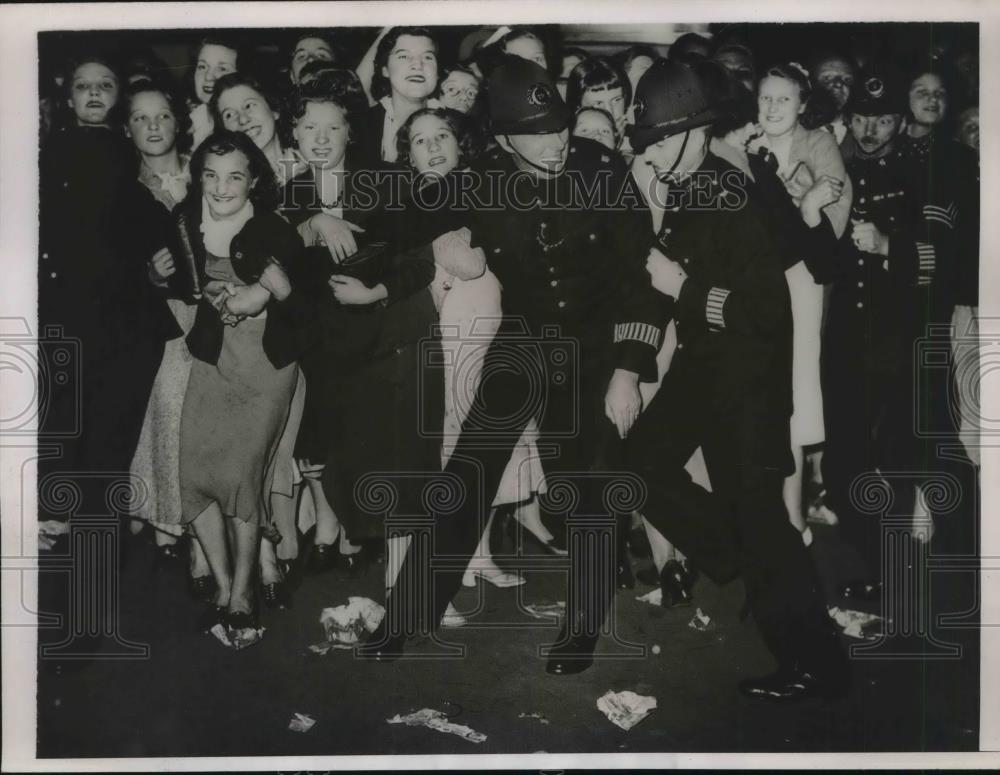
pixel 366 68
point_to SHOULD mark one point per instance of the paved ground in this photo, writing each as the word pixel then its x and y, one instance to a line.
pixel 192 697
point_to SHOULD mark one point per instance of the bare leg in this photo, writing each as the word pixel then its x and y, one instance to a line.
pixel 210 530
pixel 792 493
pixel 199 562
pixel 246 542
pixel 268 561
pixel 663 550
pixel 529 514
pixel 284 510
pixel 481 563
pixel 327 525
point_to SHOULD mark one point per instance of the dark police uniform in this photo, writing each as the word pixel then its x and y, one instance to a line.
pixel 880 307
pixel 728 390
pixel 577 304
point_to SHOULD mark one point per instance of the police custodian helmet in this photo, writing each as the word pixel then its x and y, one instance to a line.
pixel 523 99
pixel 669 99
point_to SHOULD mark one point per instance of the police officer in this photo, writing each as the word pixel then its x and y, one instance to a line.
pixel 886 288
pixel 579 310
pixel 728 389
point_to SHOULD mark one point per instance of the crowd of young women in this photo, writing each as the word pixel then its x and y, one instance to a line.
pixel 256 341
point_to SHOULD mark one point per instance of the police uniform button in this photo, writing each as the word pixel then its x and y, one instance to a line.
pixel 860 305
pixel 554 283
pixel 592 237
pixel 666 231
pixel 675 209
pixel 861 199
pixel 53 275
pixel 552 270
pixel 239 254
pixel 861 285
pixel 687 260
pixel 45 255
pixel 65 184
pixel 496 250
pixel 562 304
pixel 861 182
pixel 861 262
pixel 680 345
pixel 881 162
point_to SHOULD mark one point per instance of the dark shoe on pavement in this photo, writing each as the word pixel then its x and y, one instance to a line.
pixel 201 587
pixel 675 584
pixel 322 558
pixel 571 655
pixel 381 646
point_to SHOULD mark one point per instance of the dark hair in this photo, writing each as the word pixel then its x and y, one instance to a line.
pixel 686 48
pixel 935 68
pixel 728 95
pixel 447 71
pixel 74 64
pixel 231 81
pixel 737 48
pixel 790 73
pixel 489 57
pixel 322 35
pixel 318 68
pixel 611 119
pixel 144 63
pixel 380 83
pixel 340 87
pixel 594 74
pixel 265 194
pixel 213 40
pixel 469 143
pixel 177 107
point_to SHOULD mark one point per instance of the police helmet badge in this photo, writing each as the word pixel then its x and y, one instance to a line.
pixel 539 94
pixel 875 87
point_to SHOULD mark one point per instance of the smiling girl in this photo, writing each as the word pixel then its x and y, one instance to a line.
pixel 812 170
pixel 405 76
pixel 598 83
pixel 214 58
pixel 244 375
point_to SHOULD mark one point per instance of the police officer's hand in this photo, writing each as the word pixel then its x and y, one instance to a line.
pixel 337 234
pixel 623 402
pixel 823 192
pixel 161 266
pixel 667 276
pixel 868 239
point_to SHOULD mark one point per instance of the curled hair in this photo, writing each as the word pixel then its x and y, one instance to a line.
pixel 335 51
pixel 820 107
pixel 213 40
pixel 595 74
pixel 688 48
pixel 231 81
pixel 615 135
pixel 943 74
pixel 337 86
pixel 380 83
pixel 177 107
pixel 469 143
pixel 264 194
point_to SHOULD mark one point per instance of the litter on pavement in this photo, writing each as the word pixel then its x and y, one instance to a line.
pixel 700 621
pixel 301 723
pixel 435 719
pixel 346 624
pixel 857 624
pixel 626 709
pixel 546 610
pixel 538 716
pixel 653 597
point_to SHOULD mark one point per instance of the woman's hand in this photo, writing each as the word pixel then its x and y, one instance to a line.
pixel 274 279
pixel 161 266
pixel 823 192
pixel 623 401
pixel 337 234
pixel 350 290
pixel 666 275
pixel 246 300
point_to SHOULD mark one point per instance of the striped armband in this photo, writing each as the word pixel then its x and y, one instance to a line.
pixel 638 332
pixel 927 263
pixel 942 215
pixel 714 305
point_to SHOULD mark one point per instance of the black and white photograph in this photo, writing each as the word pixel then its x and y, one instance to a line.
pixel 500 385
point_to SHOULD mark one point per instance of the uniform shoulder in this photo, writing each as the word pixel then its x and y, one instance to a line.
pixel 590 154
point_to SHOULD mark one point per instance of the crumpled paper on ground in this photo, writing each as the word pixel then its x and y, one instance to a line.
pixel 435 719
pixel 626 709
pixel 857 624
pixel 700 621
pixel 48 530
pixel 241 639
pixel 301 722
pixel 546 610
pixel 346 624
pixel 653 597
pixel 538 716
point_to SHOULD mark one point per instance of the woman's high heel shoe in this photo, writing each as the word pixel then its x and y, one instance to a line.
pixel 322 558
pixel 498 578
